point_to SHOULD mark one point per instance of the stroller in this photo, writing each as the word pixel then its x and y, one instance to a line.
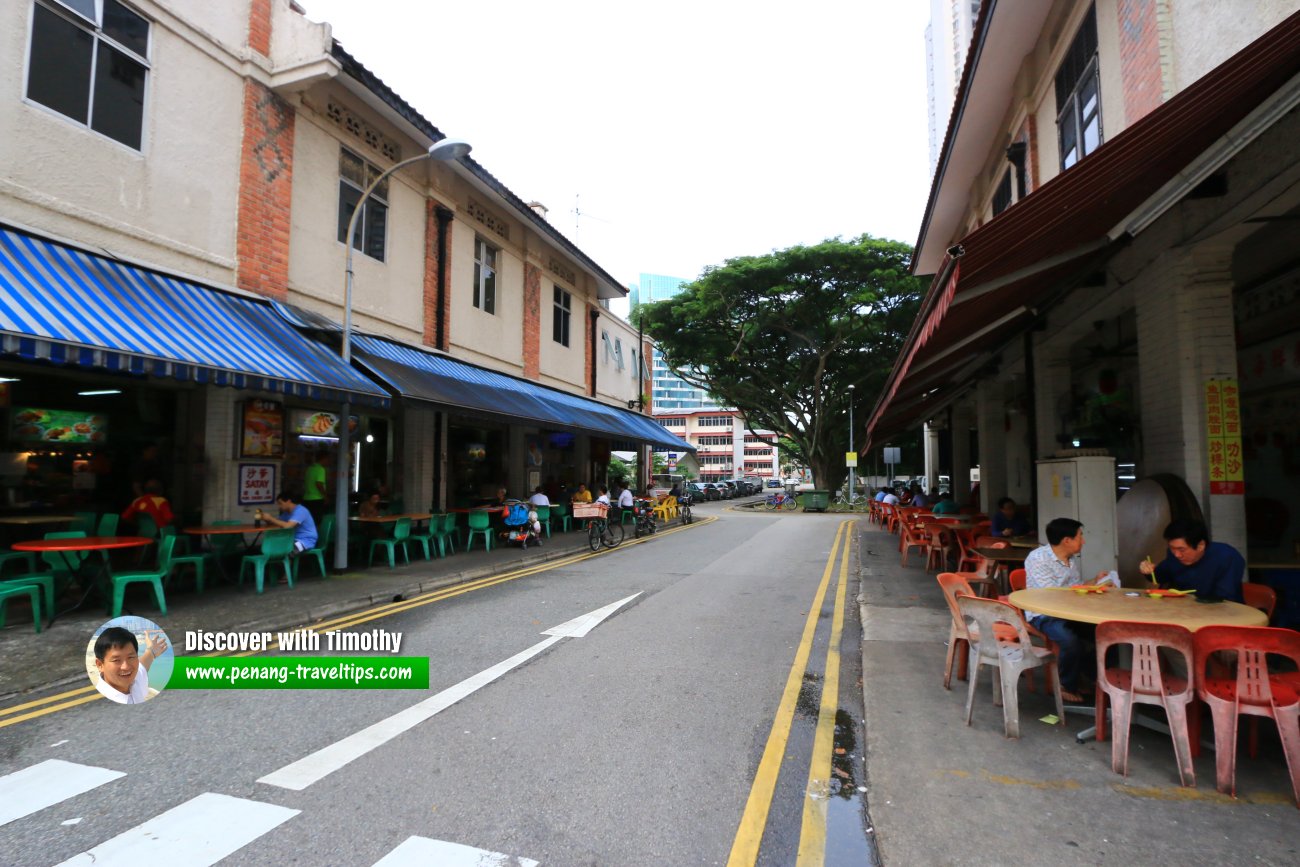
pixel 522 526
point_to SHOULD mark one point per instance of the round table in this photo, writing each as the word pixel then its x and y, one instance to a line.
pixel 222 529
pixel 1115 605
pixel 31 520
pixel 83 543
pixel 1004 555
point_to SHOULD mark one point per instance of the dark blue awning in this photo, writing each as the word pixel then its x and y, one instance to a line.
pixel 65 306
pixel 426 376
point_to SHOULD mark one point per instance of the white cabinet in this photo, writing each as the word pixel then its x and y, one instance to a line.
pixel 1081 488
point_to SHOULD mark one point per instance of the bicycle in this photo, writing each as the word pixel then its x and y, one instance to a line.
pixel 600 531
pixel 684 509
pixel 780 500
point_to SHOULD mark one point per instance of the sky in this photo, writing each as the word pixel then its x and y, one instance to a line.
pixel 667 137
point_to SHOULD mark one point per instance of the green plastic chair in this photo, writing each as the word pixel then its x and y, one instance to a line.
pixel 401 535
pixel 107 524
pixel 13 591
pixel 277 545
pixel 182 542
pixel 24 557
pixel 564 514
pixel 480 523
pixel 63 564
pixel 430 535
pixel 120 581
pixel 83 521
pixel 544 518
pixel 44 582
pixel 325 534
pixel 225 544
pixel 447 533
pixel 169 561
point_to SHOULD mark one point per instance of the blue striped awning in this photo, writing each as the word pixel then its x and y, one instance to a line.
pixel 62 305
pixel 441 380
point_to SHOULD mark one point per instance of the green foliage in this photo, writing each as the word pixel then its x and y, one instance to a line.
pixel 781 336
pixel 620 472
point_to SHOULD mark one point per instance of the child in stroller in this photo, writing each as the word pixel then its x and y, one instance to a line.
pixel 522 525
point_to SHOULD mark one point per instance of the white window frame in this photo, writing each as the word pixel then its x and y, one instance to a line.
pixel 97 35
pixel 561 314
pixel 483 300
pixel 378 197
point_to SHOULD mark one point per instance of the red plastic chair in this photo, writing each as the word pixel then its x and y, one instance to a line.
pixel 1010 658
pixel 967 559
pixel 1260 596
pixel 955 584
pixel 910 537
pixel 941 545
pixel 1253 692
pixel 1016 579
pixel 1147 683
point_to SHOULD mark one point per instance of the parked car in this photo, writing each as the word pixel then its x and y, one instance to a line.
pixel 725 491
pixel 696 491
pixel 711 491
pixel 775 483
pixel 731 486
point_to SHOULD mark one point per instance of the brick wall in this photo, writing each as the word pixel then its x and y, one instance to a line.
pixel 432 267
pixel 532 321
pixel 589 374
pixel 1139 56
pixel 259 26
pixel 265 193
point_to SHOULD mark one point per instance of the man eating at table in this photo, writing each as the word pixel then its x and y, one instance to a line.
pixel 1213 569
pixel 1056 564
pixel 293 516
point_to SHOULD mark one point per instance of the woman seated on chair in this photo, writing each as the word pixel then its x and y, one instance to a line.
pixel 369 508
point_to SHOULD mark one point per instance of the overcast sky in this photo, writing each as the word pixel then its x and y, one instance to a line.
pixel 683 133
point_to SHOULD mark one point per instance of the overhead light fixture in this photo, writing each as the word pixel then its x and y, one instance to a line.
pixel 8 379
pixel 103 391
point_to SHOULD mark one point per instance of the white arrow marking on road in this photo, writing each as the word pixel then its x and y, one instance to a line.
pixel 325 761
pixel 422 851
pixel 578 627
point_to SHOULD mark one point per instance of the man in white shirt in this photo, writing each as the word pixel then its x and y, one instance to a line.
pixel 604 495
pixel 1056 564
pixel 890 497
pixel 123 674
pixel 625 501
pixel 539 498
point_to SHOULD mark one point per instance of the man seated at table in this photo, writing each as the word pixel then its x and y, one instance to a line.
pixel 890 497
pixel 1213 569
pixel 626 501
pixel 1007 521
pixel 1056 564
pixel 370 508
pixel 604 495
pixel 539 498
pixel 582 496
pixel 293 516
pixel 946 505
pixel 919 497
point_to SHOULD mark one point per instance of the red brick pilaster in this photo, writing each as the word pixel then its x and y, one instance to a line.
pixel 532 321
pixel 259 26
pixel 265 193
pixel 1031 151
pixel 591 345
pixel 437 275
pixel 1139 58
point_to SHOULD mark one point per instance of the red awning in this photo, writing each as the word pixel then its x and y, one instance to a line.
pixel 1046 243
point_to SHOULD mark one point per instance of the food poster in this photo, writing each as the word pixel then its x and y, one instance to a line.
pixel 307 422
pixel 262 431
pixel 58 426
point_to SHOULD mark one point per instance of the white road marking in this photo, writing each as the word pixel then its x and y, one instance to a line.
pixel 325 761
pixel 43 785
pixel 422 851
pixel 580 626
pixel 197 833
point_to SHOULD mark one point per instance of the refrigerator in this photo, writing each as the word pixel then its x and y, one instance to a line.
pixel 1082 488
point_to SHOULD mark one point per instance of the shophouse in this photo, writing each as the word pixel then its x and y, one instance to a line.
pixel 1112 231
pixel 177 186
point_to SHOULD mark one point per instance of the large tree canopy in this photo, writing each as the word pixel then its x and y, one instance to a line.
pixel 781 336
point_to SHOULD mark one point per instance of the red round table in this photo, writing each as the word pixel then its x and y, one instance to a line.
pixel 83 543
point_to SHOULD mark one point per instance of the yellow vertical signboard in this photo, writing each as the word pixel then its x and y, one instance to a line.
pixel 1223 436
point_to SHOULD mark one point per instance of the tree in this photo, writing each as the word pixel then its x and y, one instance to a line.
pixel 781 336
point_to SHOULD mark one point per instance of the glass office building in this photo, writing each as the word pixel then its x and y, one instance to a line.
pixel 667 390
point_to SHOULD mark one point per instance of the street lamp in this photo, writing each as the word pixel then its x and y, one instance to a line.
pixel 851 489
pixel 446 149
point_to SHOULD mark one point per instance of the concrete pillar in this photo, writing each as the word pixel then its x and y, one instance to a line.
pixel 990 420
pixel 419 424
pixel 1185 337
pixel 930 443
pixel 962 421
pixel 221 489
pixel 1051 391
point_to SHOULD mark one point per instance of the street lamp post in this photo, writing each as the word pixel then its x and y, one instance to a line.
pixel 851 488
pixel 446 149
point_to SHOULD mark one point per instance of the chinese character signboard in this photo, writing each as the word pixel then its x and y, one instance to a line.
pixel 256 484
pixel 1223 436
pixel 262 430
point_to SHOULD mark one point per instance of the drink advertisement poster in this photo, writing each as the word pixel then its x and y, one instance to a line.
pixel 256 484
pixel 262 430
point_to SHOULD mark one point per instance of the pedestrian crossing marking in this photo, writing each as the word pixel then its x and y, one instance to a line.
pixel 423 851
pixel 197 833
pixel 46 784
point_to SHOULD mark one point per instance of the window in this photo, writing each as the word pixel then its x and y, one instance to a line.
pixel 1078 98
pixel 618 352
pixel 1002 195
pixel 485 276
pixel 89 62
pixel 355 175
pixel 715 421
pixel 560 316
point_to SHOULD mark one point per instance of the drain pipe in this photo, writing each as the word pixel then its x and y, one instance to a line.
pixel 444 217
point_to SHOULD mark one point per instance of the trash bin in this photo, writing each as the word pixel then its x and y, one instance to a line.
pixel 816 501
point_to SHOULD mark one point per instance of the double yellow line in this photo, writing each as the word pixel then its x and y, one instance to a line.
pixel 64 700
pixel 812 835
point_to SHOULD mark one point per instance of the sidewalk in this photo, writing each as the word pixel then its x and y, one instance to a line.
pixel 55 657
pixel 942 793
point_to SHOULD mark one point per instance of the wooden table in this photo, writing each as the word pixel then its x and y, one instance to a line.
pixel 1116 605
pixel 389 519
pixel 1024 542
pixel 83 543
pixel 1004 555
pixel 33 520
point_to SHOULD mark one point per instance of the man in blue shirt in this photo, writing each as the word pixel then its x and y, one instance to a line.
pixel 1213 569
pixel 1007 521
pixel 293 516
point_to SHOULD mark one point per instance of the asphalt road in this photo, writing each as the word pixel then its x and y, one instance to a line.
pixel 637 744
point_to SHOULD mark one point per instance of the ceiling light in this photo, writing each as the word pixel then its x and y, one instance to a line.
pixel 103 391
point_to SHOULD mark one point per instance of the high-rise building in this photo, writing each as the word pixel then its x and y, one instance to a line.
pixel 947 38
pixel 667 389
